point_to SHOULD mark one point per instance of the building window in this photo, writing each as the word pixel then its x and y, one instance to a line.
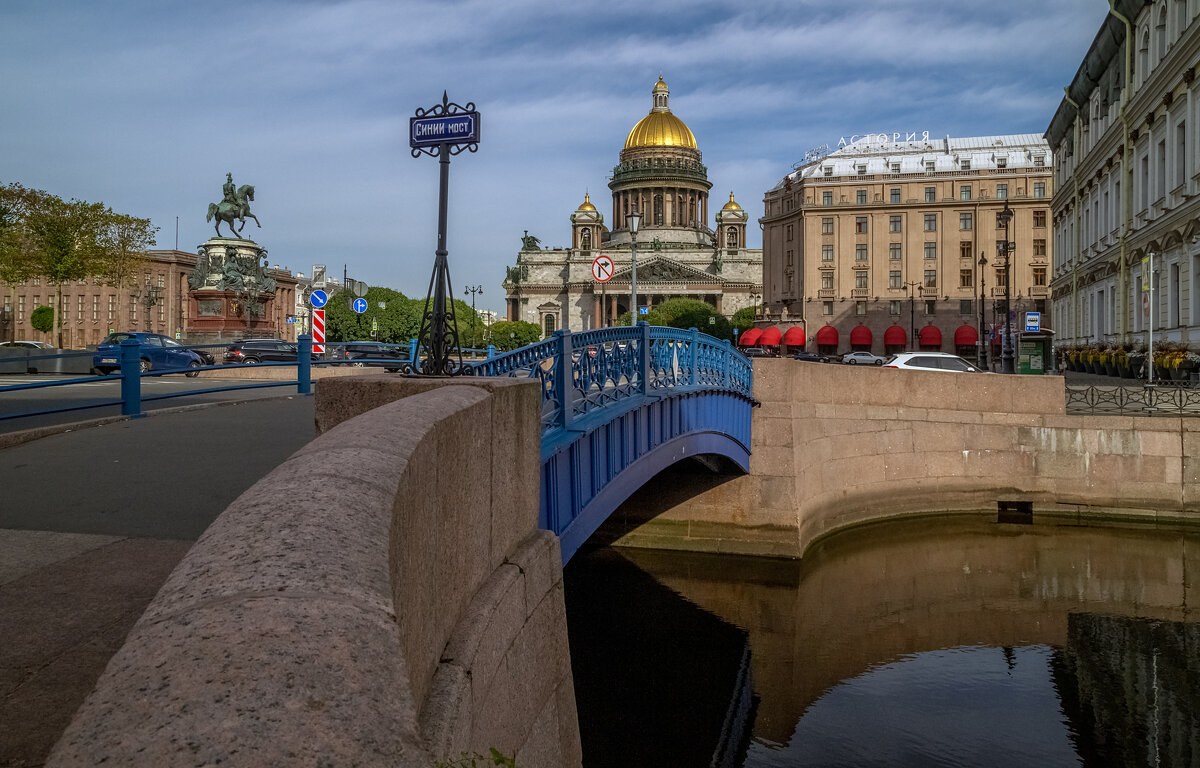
pixel 1039 161
pixel 1039 247
pixel 964 192
pixel 930 278
pixel 893 223
pixel 964 249
pixel 548 324
pixel 894 195
pixel 894 251
pixel 1039 276
pixel 861 197
pixel 826 253
pixel 133 309
pixel 966 307
pixel 930 165
pixel 895 167
pixel 894 279
pixel 860 307
pixel 827 225
pixel 966 278
pixel 931 222
pixel 827 198
pixel 964 221
pixel 37 281
pixel 96 307
pixel 828 169
pixel 112 300
pixel 860 278
pixel 1001 162
pixel 79 308
pixel 827 281
pixel 827 308
pixel 930 194
pixel 930 306
pixel 894 307
pixel 788 232
pixel 1001 191
pixel 1001 277
pixel 965 165
pixel 931 250
pixel 1039 218
pixel 861 169
pixel 790 254
pixel 860 225
pixel 20 309
pixel 1039 189
pixel 860 252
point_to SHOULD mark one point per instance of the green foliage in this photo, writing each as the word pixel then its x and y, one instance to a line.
pixel 511 334
pixel 687 313
pixel 399 320
pixel 42 319
pixel 474 760
pixel 743 319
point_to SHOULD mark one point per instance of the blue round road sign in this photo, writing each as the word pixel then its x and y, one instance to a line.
pixel 318 298
pixel 359 306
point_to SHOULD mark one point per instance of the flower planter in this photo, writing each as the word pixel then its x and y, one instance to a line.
pixel 1110 369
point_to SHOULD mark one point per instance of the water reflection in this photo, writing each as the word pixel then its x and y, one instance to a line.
pixel 937 642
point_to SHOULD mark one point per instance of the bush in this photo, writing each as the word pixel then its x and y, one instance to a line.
pixel 42 319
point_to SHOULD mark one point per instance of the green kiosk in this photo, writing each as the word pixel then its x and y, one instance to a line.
pixel 1035 346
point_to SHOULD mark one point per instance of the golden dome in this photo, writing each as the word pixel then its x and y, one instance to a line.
pixel 587 204
pixel 660 128
pixel 731 205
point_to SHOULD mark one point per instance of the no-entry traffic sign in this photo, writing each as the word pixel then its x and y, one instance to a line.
pixel 602 268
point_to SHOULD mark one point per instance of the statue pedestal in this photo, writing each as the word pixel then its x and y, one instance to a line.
pixel 231 296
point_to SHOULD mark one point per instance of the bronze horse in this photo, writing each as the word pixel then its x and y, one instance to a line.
pixel 228 212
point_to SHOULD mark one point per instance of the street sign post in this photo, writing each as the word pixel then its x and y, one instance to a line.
pixel 359 305
pixel 318 331
pixel 460 128
pixel 318 299
pixel 1033 322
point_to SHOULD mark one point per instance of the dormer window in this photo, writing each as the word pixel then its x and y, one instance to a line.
pixel 1001 162
pixel 861 168
pixel 828 170
pixel 965 164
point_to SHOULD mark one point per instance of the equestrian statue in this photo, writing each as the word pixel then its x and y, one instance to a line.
pixel 234 205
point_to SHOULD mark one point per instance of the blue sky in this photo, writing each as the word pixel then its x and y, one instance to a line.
pixel 145 105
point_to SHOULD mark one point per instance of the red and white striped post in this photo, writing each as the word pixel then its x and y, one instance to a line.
pixel 318 331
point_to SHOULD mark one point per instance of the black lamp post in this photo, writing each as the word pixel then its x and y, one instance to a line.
pixel 754 299
pixel 912 312
pixel 632 220
pixel 1006 354
pixel 148 296
pixel 983 339
pixel 474 315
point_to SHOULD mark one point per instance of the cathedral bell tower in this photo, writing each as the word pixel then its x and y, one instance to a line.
pixel 586 226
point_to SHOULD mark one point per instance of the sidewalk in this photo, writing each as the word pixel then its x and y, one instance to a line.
pixel 91 523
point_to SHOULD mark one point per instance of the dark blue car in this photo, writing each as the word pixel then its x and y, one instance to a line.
pixel 157 352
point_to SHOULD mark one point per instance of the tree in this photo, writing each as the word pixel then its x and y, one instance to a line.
pixel 17 264
pixel 687 313
pixel 42 318
pixel 743 319
pixel 124 241
pixel 66 238
pixel 510 334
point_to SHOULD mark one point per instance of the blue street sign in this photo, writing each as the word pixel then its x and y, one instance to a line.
pixel 1033 322
pixel 462 128
pixel 359 305
pixel 318 298
pixel 643 310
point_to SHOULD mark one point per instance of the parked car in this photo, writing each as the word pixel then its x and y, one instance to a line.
pixel 156 352
pixel 205 355
pixel 27 344
pixel 811 357
pixel 862 358
pixel 760 352
pixel 932 361
pixel 252 351
pixel 374 351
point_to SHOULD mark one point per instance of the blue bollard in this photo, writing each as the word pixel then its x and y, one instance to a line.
pixel 131 379
pixel 304 364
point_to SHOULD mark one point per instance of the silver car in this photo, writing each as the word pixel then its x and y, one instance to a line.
pixel 862 358
pixel 932 361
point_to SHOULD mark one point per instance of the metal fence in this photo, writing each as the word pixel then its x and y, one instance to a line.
pixel 1134 400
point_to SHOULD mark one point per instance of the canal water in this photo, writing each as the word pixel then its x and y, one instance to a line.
pixel 938 642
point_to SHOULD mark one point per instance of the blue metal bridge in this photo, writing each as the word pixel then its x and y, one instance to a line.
pixel 619 405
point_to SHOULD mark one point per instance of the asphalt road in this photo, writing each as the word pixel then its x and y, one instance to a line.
pixel 91 523
pixel 84 394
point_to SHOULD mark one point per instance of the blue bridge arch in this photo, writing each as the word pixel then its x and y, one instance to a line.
pixel 620 405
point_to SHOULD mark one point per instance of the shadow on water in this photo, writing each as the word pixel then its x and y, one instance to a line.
pixel 658 680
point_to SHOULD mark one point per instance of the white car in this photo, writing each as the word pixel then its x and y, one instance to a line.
pixel 862 358
pixel 932 361
pixel 27 344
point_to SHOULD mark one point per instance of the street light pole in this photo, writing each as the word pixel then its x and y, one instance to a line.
pixel 631 221
pixel 983 339
pixel 474 315
pixel 1006 355
pixel 912 314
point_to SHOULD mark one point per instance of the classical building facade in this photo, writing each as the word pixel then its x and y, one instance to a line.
pixel 880 245
pixel 660 174
pixel 161 303
pixel 1127 177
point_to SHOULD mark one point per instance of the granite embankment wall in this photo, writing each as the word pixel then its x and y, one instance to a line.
pixel 370 602
pixel 835 446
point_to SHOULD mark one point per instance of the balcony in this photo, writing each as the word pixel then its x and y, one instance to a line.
pixel 825 293
pixel 859 293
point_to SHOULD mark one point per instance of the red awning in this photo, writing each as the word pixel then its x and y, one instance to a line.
pixel 827 335
pixel 770 336
pixel 750 337
pixel 965 336
pixel 794 336
pixel 895 336
pixel 860 336
pixel 930 336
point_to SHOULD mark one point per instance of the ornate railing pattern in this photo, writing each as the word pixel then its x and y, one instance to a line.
pixel 1141 400
pixel 613 364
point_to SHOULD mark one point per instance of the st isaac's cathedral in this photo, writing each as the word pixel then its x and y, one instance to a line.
pixel 661 176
